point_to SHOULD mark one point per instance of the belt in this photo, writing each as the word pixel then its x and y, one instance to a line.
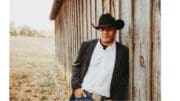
pixel 97 97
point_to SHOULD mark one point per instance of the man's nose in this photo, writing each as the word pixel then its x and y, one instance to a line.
pixel 104 31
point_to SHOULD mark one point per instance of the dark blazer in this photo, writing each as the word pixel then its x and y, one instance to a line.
pixel 120 78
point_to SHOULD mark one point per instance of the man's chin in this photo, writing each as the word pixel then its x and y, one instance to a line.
pixel 107 41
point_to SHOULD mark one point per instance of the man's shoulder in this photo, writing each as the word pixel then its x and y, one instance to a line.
pixel 122 46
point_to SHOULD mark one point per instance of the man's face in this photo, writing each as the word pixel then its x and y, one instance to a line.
pixel 107 35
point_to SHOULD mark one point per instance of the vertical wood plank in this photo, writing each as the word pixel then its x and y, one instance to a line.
pixel 56 26
pixel 156 51
pixel 99 9
pixel 69 41
pixel 81 20
pixel 89 19
pixel 77 30
pixel 71 38
pixel 126 15
pixel 115 12
pixel 112 7
pixel 73 30
pixel 84 16
pixel 106 6
pixel 79 25
pixel 65 41
pixel 93 17
pixel 142 51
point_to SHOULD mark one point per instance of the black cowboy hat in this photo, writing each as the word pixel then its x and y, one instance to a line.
pixel 106 20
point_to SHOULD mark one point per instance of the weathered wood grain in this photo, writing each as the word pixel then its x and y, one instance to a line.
pixel 142 51
pixel 89 33
pixel 115 11
pixel 127 36
pixel 106 6
pixel 156 51
pixel 93 17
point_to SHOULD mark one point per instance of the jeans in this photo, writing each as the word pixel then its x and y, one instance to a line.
pixel 84 99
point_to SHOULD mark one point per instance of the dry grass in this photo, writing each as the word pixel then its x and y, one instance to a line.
pixel 34 73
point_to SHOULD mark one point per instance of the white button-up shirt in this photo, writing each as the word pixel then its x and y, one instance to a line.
pixel 98 77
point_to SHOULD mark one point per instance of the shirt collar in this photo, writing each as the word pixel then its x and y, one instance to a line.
pixel 108 47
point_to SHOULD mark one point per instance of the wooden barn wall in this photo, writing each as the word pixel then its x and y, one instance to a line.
pixel 141 34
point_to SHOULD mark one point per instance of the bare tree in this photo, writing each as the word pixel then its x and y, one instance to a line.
pixel 13 31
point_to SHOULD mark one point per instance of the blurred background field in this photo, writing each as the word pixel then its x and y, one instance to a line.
pixel 35 75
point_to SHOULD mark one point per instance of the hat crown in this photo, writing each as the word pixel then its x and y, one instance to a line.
pixel 106 19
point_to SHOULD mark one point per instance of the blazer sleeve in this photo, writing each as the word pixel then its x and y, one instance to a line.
pixel 76 68
pixel 124 84
pixel 126 68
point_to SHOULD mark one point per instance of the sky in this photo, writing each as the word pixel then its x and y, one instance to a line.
pixel 34 13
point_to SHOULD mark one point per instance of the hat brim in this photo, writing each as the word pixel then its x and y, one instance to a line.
pixel 118 24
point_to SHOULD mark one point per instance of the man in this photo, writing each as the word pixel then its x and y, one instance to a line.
pixel 101 70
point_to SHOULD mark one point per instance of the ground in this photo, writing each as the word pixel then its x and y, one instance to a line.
pixel 35 74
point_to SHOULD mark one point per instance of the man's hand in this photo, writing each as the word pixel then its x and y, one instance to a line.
pixel 79 93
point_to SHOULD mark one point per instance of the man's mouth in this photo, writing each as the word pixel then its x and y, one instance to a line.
pixel 105 37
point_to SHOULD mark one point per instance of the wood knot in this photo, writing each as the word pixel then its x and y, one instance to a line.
pixel 142 61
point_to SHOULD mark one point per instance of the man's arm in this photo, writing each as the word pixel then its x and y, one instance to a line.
pixel 76 69
pixel 76 72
